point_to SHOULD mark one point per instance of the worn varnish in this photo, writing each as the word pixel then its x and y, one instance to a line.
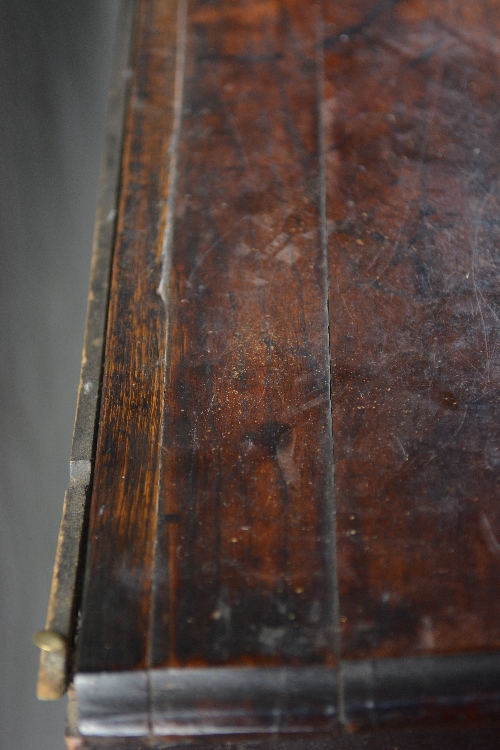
pixel 308 227
pixel 117 596
pixel 244 568
pixel 411 122
pixel 244 564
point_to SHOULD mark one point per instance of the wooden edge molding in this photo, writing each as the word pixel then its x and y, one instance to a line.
pixel 421 691
pixel 63 603
pixel 383 694
pixel 219 701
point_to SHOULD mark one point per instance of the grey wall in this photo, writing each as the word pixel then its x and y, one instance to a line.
pixel 55 58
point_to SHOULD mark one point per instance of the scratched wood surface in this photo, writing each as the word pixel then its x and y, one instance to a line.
pixel 117 593
pixel 411 123
pixel 212 537
pixel 244 570
pixel 244 563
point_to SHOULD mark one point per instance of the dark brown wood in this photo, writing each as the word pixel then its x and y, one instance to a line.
pixel 244 564
pixel 456 690
pixel 379 694
pixel 244 568
pixel 411 108
pixel 300 181
pixel 117 599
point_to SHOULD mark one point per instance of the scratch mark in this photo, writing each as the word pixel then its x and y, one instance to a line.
pixel 345 305
pixel 202 258
pixel 212 401
pixel 286 461
pixel 491 539
pixel 466 359
pixel 166 450
pixel 477 291
pixel 401 446
pixel 308 406
pixel 173 148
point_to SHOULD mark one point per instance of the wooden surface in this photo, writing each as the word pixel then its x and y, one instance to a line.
pixel 304 182
pixel 244 561
pixel 244 569
pixel 411 98
pixel 117 595
pixel 378 694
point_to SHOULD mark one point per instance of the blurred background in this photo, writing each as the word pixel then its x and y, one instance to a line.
pixel 55 65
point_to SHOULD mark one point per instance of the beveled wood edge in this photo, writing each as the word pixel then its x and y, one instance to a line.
pixel 424 690
pixel 221 701
pixel 204 701
pixel 62 609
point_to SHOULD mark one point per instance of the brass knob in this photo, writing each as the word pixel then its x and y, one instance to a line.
pixel 49 640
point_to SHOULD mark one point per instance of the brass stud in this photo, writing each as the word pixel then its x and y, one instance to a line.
pixel 49 640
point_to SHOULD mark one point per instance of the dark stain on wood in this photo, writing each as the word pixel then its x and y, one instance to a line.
pixel 211 537
pixel 413 203
pixel 246 574
pixel 114 633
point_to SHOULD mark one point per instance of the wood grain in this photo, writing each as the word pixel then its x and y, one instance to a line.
pixel 411 112
pixel 117 595
pixel 380 694
pixel 212 535
pixel 244 559
pixel 244 569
